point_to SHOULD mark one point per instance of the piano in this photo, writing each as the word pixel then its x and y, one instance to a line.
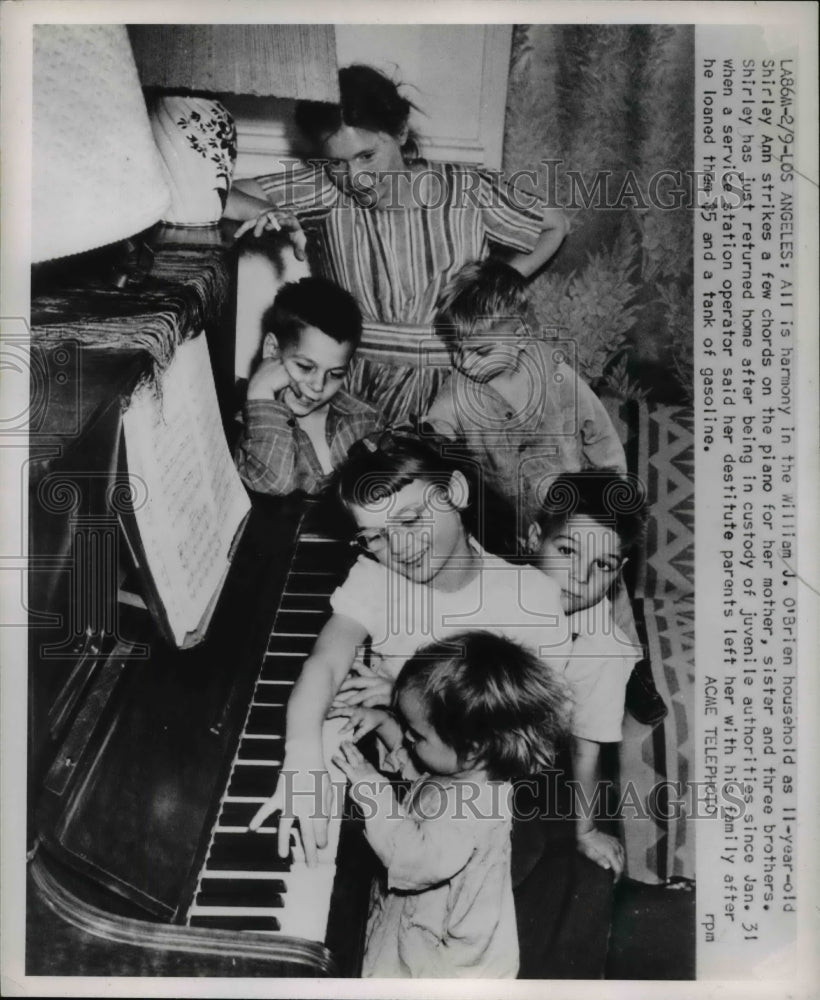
pixel 142 862
pixel 146 762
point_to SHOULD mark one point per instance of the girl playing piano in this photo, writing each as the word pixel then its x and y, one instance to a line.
pixel 468 716
pixel 421 576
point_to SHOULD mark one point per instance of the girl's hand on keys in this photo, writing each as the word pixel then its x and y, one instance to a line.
pixel 303 796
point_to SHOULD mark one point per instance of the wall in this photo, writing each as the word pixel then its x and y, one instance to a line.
pixel 462 112
pixel 462 120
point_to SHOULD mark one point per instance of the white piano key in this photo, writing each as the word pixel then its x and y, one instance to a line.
pixel 236 911
pixel 308 889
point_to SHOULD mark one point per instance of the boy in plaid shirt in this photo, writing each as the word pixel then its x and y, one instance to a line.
pixel 298 420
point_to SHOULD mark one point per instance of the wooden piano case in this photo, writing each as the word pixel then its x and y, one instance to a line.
pixel 130 740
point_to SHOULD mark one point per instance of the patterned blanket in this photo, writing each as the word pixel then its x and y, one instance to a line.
pixel 660 450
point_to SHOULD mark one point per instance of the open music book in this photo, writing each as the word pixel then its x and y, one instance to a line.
pixel 189 504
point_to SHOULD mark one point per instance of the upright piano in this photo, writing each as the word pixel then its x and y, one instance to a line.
pixel 147 762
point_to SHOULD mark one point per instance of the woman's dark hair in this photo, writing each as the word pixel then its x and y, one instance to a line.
pixel 488 696
pixel 368 100
pixel 614 499
pixel 318 302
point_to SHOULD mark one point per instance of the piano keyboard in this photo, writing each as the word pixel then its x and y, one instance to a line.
pixel 244 884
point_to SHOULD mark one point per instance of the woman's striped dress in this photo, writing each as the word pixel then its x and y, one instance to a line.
pixel 396 260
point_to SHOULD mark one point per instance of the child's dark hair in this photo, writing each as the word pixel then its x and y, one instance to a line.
pixel 314 302
pixel 486 695
pixel 382 464
pixel 367 100
pixel 379 466
pixel 611 498
pixel 480 290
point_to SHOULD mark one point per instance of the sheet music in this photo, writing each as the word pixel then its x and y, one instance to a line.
pixel 196 501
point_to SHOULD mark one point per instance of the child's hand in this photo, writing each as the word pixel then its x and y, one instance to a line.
pixel 269 378
pixel 367 690
pixel 349 759
pixel 360 721
pixel 604 850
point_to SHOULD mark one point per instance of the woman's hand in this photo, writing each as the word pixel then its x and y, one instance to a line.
pixel 302 795
pixel 604 850
pixel 275 220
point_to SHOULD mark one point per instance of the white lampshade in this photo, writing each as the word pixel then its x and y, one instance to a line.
pixel 97 174
pixel 265 60
pixel 193 62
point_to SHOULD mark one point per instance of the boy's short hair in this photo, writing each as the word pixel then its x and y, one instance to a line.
pixel 318 302
pixel 481 290
pixel 614 499
pixel 487 695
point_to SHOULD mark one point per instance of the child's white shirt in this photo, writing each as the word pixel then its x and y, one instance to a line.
pixel 601 660
pixel 445 907
pixel 517 602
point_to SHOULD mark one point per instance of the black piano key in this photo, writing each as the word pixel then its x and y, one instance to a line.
pixel 282 668
pixel 320 557
pixel 313 583
pixel 237 923
pixel 259 749
pixel 291 644
pixel 246 852
pixel 268 719
pixel 297 622
pixel 252 781
pixel 241 813
pixel 241 892
pixel 319 604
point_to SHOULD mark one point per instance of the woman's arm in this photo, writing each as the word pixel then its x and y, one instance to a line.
pixel 246 200
pixel 555 227
pixel 302 789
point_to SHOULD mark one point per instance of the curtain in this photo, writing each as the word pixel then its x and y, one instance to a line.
pixel 605 112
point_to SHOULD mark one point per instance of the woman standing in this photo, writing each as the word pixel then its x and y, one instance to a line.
pixel 392 229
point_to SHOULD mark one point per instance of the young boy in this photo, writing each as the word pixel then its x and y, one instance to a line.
pixel 298 421
pixel 588 524
pixel 519 409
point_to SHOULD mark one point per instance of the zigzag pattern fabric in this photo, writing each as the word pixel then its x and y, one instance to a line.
pixel 659 848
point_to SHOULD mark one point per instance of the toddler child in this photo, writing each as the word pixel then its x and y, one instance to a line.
pixel 298 421
pixel 421 576
pixel 469 716
pixel 588 524
pixel 516 406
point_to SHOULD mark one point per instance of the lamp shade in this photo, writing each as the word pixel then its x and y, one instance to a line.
pixel 264 60
pixel 96 175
